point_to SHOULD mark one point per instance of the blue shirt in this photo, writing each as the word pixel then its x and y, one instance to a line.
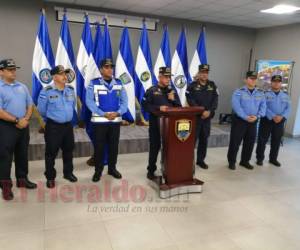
pixel 57 105
pixel 245 103
pixel 15 98
pixel 277 104
pixel 102 97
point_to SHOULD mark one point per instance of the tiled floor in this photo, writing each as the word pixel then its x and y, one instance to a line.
pixel 240 209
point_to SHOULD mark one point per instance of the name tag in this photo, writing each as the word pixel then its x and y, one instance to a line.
pixel 102 92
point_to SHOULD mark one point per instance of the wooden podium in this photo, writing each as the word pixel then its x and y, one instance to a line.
pixel 178 131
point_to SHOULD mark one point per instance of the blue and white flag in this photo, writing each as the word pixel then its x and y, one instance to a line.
pixel 43 59
pixel 85 49
pixel 96 55
pixel 107 50
pixel 125 72
pixel 143 68
pixel 180 71
pixel 65 57
pixel 199 55
pixel 164 54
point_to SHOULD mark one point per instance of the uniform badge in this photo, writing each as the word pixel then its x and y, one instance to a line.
pixel 180 81
pixel 183 129
pixel 209 88
pixel 70 76
pixel 125 78
pixel 145 76
pixel 45 76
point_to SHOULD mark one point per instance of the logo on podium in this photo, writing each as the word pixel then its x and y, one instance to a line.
pixel 183 129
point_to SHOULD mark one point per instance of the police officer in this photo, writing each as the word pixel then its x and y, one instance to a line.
pixel 107 100
pixel 158 97
pixel 248 105
pixel 278 110
pixel 203 92
pixel 15 112
pixel 56 104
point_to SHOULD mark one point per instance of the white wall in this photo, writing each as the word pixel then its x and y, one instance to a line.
pixel 227 47
pixel 283 43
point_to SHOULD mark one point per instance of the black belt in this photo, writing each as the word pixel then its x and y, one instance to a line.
pixel 50 121
pixel 8 123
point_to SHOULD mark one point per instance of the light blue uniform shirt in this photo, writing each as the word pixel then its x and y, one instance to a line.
pixel 277 104
pixel 57 105
pixel 245 103
pixel 15 98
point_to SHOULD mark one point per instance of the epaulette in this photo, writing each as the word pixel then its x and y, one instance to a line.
pixel 70 87
pixel 48 88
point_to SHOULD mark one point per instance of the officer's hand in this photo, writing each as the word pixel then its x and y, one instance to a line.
pixel 251 118
pixel 23 123
pixel 277 118
pixel 205 114
pixel 163 108
pixel 171 96
pixel 113 115
pixel 107 115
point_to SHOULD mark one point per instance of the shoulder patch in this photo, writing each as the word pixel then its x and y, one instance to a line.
pixel 70 87
pixel 48 88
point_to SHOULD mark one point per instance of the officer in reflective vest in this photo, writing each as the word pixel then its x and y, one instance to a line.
pixel 106 98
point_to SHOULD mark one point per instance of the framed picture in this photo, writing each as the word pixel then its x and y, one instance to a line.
pixel 267 68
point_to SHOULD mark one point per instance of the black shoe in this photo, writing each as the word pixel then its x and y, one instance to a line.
pixel 25 183
pixel 151 176
pixel 202 164
pixel 71 178
pixel 7 194
pixel 246 165
pixel 50 183
pixel 97 176
pixel 115 173
pixel 91 162
pixel 275 163
pixel 231 166
pixel 259 163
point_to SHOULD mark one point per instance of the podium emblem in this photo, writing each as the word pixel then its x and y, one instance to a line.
pixel 183 129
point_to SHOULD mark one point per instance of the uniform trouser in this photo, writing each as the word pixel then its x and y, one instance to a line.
pixel 241 130
pixel 203 132
pixel 58 136
pixel 155 144
pixel 269 128
pixel 106 134
pixel 14 142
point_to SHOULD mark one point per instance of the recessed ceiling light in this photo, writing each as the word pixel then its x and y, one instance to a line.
pixel 281 9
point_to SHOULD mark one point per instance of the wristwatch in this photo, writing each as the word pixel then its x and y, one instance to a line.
pixel 17 120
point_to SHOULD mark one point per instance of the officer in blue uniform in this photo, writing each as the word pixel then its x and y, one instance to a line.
pixel 278 110
pixel 203 92
pixel 156 98
pixel 56 104
pixel 106 98
pixel 248 105
pixel 15 112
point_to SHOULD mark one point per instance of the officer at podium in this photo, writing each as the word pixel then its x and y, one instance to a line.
pixel 203 92
pixel 158 98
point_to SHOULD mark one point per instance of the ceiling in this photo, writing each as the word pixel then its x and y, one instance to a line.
pixel 232 12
